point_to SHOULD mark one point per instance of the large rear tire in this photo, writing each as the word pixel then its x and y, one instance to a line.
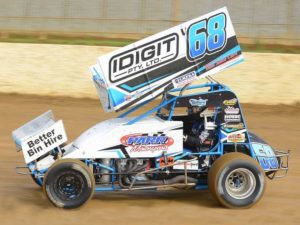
pixel 69 183
pixel 236 180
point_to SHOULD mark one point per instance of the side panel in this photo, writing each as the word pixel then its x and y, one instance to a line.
pixel 146 139
pixel 265 156
pixel 264 153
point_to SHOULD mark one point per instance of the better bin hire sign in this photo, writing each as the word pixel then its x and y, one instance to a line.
pixel 44 141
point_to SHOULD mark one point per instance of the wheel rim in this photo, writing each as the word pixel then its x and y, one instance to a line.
pixel 240 183
pixel 69 185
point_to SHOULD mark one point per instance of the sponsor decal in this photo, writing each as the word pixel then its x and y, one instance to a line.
pixel 236 126
pixel 147 142
pixel 44 142
pixel 262 151
pixel 127 97
pixel 230 136
pixel 232 118
pixel 184 79
pixel 230 102
pixel 236 138
pixel 134 96
pixel 191 165
pixel 232 110
pixel 144 57
pixel 198 102
pixel 214 64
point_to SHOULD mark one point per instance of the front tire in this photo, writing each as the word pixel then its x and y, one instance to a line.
pixel 236 180
pixel 69 183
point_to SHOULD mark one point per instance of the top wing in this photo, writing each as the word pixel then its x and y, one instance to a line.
pixel 166 60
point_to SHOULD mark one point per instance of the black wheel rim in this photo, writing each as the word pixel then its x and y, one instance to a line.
pixel 69 185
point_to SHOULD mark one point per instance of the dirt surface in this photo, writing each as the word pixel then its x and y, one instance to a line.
pixel 22 202
pixel 63 70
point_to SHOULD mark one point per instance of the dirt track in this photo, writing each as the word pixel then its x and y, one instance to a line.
pixel 22 202
pixel 63 70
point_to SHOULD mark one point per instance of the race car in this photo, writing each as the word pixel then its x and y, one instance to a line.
pixel 195 138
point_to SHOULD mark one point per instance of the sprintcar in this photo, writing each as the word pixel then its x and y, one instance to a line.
pixel 195 138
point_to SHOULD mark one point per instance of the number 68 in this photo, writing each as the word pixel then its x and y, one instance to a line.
pixel 206 36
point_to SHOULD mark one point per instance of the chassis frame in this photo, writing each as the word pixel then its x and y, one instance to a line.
pixel 170 101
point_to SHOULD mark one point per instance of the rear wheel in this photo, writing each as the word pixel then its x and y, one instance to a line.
pixel 236 180
pixel 69 183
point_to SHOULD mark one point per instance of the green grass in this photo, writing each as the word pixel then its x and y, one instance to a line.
pixel 56 39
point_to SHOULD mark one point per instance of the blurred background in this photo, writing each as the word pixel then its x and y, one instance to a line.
pixel 72 33
pixel 264 21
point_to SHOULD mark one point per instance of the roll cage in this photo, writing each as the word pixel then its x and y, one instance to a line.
pixel 169 100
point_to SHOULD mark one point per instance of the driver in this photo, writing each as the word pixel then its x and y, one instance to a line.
pixel 202 134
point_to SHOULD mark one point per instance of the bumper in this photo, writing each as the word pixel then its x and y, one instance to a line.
pixel 283 164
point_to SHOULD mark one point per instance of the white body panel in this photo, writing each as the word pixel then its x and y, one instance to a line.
pixel 114 139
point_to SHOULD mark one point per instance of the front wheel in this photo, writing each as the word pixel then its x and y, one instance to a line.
pixel 69 183
pixel 236 180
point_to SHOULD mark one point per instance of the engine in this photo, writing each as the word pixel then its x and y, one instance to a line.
pixel 140 173
pixel 143 173
pixel 128 168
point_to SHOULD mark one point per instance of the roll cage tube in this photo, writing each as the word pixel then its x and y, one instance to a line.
pixel 170 100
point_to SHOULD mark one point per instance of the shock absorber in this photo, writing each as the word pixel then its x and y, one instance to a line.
pixel 105 179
